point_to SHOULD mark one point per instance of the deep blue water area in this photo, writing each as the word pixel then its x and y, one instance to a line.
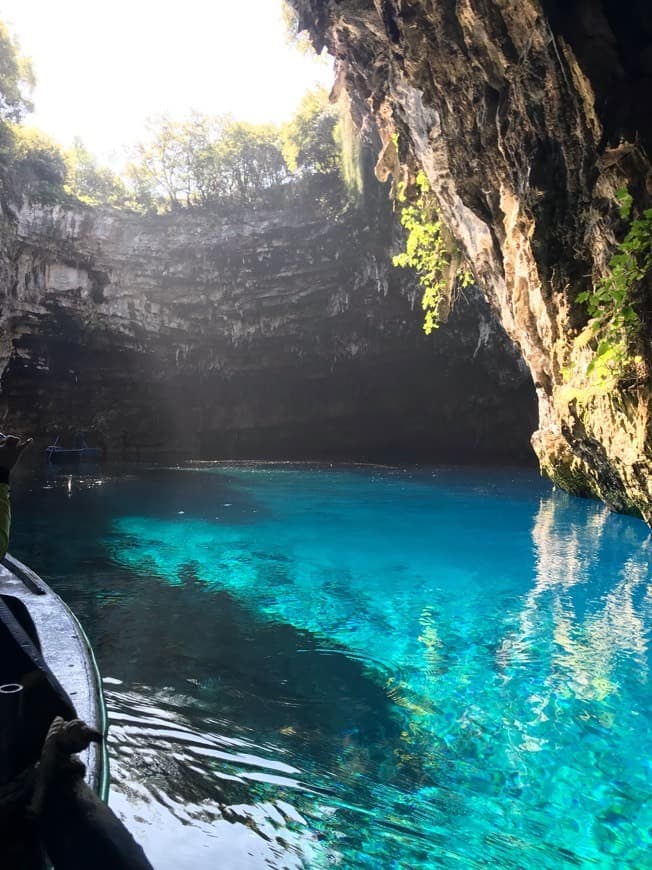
pixel 362 667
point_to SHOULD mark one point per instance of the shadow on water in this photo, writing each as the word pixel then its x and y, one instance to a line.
pixel 269 677
pixel 257 725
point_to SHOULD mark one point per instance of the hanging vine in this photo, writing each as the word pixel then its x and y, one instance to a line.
pixel 428 254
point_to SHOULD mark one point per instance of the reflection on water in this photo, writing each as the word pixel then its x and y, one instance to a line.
pixel 588 647
pixel 361 667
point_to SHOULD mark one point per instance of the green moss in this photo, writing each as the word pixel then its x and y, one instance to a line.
pixel 572 478
pixel 567 471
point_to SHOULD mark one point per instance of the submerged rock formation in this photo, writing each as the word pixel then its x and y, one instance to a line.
pixel 275 330
pixel 526 118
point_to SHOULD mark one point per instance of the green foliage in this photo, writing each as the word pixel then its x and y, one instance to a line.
pixel 202 160
pixel 614 324
pixel 250 159
pixel 321 137
pixel 91 183
pixel 16 79
pixel 427 253
pixel 213 159
pixel 38 165
pixel 309 142
pixel 161 170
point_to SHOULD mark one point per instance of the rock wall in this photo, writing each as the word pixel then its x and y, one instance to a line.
pixel 527 118
pixel 277 330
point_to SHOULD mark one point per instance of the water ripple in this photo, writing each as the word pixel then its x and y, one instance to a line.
pixel 164 768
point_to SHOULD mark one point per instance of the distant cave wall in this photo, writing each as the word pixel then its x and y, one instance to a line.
pixel 276 330
pixel 527 119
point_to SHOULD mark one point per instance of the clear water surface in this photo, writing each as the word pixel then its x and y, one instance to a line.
pixel 360 667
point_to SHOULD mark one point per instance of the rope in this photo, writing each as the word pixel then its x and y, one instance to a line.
pixel 63 740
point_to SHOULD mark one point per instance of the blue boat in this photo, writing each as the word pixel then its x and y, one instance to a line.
pixel 80 453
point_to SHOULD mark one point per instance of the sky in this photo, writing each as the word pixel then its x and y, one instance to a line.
pixel 103 67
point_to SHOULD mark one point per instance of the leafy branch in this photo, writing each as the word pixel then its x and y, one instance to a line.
pixel 427 253
pixel 614 324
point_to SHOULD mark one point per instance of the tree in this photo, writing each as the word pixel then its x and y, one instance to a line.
pixel 202 133
pixel 203 160
pixel 159 171
pixel 38 165
pixel 16 79
pixel 90 182
pixel 310 138
pixel 295 36
pixel 250 159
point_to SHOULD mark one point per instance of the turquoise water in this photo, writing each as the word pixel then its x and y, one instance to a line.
pixel 361 667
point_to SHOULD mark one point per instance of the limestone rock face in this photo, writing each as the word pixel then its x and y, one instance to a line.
pixel 276 330
pixel 527 118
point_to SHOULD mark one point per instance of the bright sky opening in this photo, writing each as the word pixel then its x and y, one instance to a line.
pixel 102 69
